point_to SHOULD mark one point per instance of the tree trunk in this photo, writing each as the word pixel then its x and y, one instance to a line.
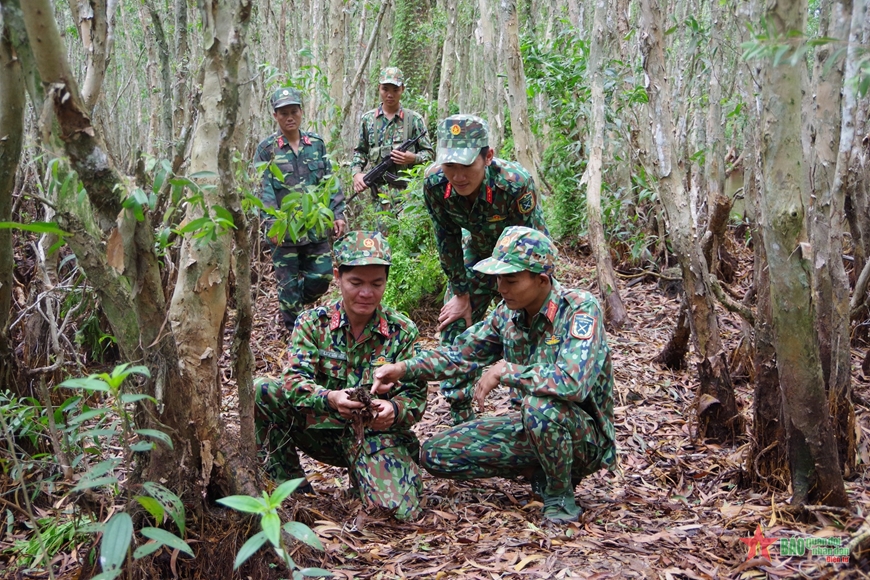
pixel 182 60
pixel 11 137
pixel 719 417
pixel 614 309
pixel 492 83
pixel 813 458
pixel 95 20
pixel 335 54
pixel 524 142
pixel 830 285
pixel 166 147
pixel 448 62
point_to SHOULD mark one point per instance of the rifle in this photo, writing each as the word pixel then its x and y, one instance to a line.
pixel 384 172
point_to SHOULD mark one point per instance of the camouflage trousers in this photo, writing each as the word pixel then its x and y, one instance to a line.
pixel 303 274
pixel 383 468
pixel 546 435
pixel 459 392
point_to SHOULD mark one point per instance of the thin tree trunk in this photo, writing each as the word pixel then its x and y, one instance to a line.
pixel 719 417
pixel 524 143
pixel 95 20
pixel 491 86
pixel 335 54
pixel 182 60
pixel 813 459
pixel 11 137
pixel 166 132
pixel 614 309
pixel 448 62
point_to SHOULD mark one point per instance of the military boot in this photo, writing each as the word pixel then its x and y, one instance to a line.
pixel 561 509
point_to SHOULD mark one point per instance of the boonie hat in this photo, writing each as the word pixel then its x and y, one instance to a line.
pixel 362 249
pixel 392 75
pixel 285 96
pixel 520 248
pixel 460 139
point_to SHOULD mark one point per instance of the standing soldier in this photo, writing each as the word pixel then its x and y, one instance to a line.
pixel 547 344
pixel 468 189
pixel 303 268
pixel 333 350
pixel 383 129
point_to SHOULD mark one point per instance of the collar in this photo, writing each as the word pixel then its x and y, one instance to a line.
pixel 487 179
pixel 400 113
pixel 282 141
pixel 549 309
pixel 338 318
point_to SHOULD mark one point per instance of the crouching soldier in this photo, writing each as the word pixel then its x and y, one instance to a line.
pixel 333 350
pixel 547 344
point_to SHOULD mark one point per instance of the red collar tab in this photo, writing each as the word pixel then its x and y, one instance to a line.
pixel 488 194
pixel 306 140
pixel 335 319
pixel 281 142
pixel 552 307
pixel 401 113
pixel 383 327
pixel 447 191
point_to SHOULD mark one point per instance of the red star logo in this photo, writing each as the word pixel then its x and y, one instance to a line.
pixel 758 541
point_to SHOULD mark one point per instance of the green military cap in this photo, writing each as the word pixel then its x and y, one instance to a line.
pixel 520 248
pixel 362 249
pixel 392 75
pixel 460 139
pixel 286 96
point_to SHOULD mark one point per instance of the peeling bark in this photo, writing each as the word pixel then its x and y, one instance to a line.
pixel 448 62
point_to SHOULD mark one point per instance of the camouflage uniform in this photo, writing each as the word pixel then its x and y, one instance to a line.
pixel 507 198
pixel 560 377
pixel 379 135
pixel 303 268
pixel 324 356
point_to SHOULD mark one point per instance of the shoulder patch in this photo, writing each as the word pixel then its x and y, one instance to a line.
pixel 434 177
pixel 582 326
pixel 526 203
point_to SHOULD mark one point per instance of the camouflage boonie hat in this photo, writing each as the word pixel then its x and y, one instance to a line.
pixel 520 248
pixel 460 139
pixel 392 76
pixel 285 96
pixel 361 249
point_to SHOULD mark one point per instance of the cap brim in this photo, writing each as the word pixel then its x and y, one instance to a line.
pixel 285 102
pixel 462 156
pixel 366 262
pixel 391 82
pixel 493 266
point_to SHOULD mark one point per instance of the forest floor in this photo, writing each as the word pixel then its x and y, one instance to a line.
pixel 675 507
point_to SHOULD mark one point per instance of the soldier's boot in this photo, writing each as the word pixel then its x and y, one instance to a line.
pixel 561 509
pixel 287 469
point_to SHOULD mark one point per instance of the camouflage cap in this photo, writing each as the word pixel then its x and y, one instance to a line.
pixel 460 139
pixel 285 96
pixel 361 249
pixel 392 76
pixel 520 248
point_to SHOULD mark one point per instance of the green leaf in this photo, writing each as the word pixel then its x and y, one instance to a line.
pixel 153 507
pixel 204 175
pixel 87 415
pixel 244 503
pixel 223 214
pixel 167 539
pixel 87 383
pixel 116 540
pixel 134 397
pixel 780 52
pixel 159 435
pixel 194 225
pixel 284 490
pixel 103 467
pixel 302 532
pixel 249 548
pixel 316 572
pixel 146 549
pixel 271 524
pixel 96 482
pixel 142 446
pixel 36 227
pixel 171 502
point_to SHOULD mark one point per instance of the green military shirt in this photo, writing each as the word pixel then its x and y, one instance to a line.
pixel 379 135
pixel 507 198
pixel 308 166
pixel 325 357
pixel 561 352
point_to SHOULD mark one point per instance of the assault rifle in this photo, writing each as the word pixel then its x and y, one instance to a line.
pixel 385 171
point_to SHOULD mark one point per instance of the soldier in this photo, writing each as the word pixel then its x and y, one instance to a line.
pixel 547 344
pixel 334 349
pixel 383 129
pixel 303 268
pixel 469 189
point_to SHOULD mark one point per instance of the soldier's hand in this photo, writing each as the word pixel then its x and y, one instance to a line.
pixel 359 184
pixel 457 307
pixel 386 415
pixel 487 383
pixel 339 401
pixel 339 228
pixel 386 376
pixel 403 157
